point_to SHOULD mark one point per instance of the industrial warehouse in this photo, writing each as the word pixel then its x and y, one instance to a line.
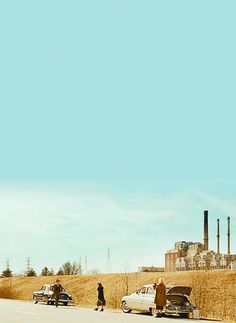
pixel 197 256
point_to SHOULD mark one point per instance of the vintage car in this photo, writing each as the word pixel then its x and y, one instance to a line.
pixel 143 301
pixel 45 294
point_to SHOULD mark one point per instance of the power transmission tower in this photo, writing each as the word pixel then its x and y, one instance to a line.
pixel 28 264
pixel 108 264
pixel 80 263
pixel 85 264
pixel 7 264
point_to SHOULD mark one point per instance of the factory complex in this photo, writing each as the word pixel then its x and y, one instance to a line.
pixel 197 256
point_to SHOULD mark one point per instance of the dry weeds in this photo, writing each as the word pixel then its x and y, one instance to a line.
pixel 7 291
pixel 214 292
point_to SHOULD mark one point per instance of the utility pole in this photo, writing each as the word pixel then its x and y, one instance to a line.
pixel 218 236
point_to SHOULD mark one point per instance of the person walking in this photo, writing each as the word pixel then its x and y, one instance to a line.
pixel 160 297
pixel 101 300
pixel 57 289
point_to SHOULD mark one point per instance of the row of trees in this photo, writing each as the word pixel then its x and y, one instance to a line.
pixel 68 268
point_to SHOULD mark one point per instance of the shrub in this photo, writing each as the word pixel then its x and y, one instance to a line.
pixel 8 292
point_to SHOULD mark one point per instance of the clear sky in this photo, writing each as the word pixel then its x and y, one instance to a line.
pixel 117 128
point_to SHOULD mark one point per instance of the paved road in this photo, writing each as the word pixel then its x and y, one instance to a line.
pixel 26 312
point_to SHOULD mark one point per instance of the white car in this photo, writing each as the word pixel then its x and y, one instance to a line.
pixel 143 301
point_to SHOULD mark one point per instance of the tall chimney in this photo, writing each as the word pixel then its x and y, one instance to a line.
pixel 228 234
pixel 205 230
pixel 218 236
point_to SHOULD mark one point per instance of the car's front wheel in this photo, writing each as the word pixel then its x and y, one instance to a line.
pixel 46 300
pixel 184 315
pixel 35 300
pixel 125 307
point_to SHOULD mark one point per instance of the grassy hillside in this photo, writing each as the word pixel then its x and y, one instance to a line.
pixel 213 292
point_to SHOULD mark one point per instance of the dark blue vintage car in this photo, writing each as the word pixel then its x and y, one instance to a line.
pixel 45 294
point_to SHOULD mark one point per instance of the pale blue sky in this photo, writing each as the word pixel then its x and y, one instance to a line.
pixel 133 100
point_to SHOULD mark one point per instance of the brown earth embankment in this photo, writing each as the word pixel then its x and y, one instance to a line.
pixel 214 292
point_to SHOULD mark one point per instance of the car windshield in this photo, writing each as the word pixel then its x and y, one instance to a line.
pixel 43 287
pixel 150 290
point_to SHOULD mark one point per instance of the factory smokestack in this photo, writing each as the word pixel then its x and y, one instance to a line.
pixel 228 234
pixel 218 236
pixel 205 230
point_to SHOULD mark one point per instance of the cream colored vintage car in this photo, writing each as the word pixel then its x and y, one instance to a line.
pixel 143 301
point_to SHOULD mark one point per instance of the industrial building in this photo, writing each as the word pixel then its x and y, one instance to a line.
pixel 197 256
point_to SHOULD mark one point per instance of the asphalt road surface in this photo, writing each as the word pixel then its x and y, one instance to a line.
pixel 27 312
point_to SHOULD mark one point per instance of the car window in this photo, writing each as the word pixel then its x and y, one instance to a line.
pixel 150 290
pixel 43 287
pixel 143 290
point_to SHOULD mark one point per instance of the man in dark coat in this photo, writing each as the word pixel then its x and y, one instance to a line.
pixel 57 289
pixel 160 297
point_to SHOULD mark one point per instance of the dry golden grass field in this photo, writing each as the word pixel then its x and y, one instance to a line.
pixel 214 292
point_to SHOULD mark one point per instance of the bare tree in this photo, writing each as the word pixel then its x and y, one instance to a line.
pixel 71 268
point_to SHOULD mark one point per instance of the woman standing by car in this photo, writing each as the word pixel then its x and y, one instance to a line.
pixel 160 297
pixel 101 300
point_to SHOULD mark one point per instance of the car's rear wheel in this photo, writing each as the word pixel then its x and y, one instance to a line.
pixel 184 315
pixel 153 311
pixel 65 303
pixel 125 307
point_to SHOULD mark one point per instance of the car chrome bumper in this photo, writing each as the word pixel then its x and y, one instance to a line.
pixel 177 312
